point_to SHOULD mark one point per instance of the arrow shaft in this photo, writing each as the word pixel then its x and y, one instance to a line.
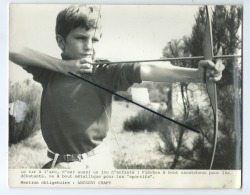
pixel 168 59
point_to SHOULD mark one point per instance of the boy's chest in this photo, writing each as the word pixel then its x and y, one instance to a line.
pixel 70 88
pixel 70 92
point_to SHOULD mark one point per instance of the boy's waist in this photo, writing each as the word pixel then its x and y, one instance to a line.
pixel 77 157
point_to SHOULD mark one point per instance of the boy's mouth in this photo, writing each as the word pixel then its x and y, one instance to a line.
pixel 86 55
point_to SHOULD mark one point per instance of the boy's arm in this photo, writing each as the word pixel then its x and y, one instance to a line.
pixel 28 57
pixel 160 72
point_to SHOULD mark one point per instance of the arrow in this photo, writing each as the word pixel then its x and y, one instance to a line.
pixel 168 59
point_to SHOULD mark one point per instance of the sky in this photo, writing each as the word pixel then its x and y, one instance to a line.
pixel 129 32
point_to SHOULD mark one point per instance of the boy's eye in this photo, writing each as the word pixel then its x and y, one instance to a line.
pixel 81 38
pixel 94 40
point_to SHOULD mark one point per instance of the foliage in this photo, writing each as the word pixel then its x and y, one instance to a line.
pixel 226 24
pixel 30 94
pixel 176 141
pixel 143 120
pixel 196 154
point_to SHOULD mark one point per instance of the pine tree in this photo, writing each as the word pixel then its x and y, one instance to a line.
pixel 226 26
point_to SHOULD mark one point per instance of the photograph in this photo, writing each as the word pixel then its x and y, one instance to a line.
pixel 126 92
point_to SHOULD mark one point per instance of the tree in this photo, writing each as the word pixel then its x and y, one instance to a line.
pixel 227 40
pixel 176 48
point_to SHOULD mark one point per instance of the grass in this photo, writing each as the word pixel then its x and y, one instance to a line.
pixel 134 150
pixel 29 153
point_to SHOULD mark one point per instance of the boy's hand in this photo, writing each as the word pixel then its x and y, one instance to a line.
pixel 81 66
pixel 213 71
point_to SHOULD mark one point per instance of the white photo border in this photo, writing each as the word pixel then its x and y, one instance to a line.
pixel 4 189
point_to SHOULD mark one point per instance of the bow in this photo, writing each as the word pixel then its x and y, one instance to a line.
pixel 211 86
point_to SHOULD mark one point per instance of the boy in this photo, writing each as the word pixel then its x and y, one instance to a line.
pixel 74 114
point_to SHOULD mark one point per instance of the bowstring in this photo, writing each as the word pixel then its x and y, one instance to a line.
pixel 101 103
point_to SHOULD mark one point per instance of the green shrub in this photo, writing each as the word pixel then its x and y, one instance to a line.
pixel 30 94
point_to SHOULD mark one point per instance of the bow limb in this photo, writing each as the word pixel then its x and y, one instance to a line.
pixel 211 86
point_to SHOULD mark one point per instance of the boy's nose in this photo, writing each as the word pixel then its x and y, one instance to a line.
pixel 88 45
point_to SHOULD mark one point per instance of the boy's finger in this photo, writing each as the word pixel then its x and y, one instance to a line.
pixel 213 73
pixel 219 66
pixel 85 60
pixel 86 71
pixel 213 69
pixel 216 74
pixel 85 66
pixel 216 78
pixel 207 63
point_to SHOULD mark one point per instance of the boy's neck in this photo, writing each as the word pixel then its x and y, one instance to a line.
pixel 65 57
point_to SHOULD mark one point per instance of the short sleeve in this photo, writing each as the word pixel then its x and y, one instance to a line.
pixel 118 77
pixel 40 75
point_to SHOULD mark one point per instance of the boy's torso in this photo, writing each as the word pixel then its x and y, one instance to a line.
pixel 73 116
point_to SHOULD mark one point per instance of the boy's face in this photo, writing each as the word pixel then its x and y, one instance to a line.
pixel 79 43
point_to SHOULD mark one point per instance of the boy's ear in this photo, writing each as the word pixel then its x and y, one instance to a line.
pixel 60 42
